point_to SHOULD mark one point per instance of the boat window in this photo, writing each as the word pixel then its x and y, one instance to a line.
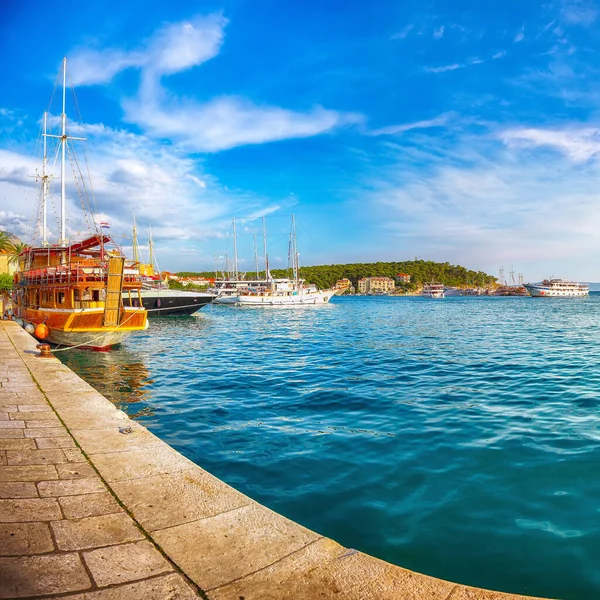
pixel 60 298
pixel 96 295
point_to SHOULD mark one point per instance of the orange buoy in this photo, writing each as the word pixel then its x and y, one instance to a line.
pixel 41 331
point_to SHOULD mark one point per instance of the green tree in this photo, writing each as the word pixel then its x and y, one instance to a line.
pixel 6 282
pixel 15 250
pixel 5 242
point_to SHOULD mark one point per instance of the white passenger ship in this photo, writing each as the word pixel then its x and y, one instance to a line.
pixel 433 290
pixel 557 288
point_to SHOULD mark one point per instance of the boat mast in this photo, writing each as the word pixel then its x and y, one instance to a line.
pixel 63 141
pixel 63 137
pixel 136 250
pixel 44 186
pixel 235 256
pixel 294 249
pixel 265 246
pixel 150 248
pixel 256 256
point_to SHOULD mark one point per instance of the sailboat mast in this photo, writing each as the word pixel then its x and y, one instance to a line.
pixel 63 141
pixel 235 256
pixel 294 249
pixel 265 247
pixel 45 186
pixel 150 248
pixel 256 256
pixel 136 252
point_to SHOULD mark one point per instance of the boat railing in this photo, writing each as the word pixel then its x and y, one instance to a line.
pixel 61 275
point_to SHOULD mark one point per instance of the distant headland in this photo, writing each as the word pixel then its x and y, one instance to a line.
pixel 420 271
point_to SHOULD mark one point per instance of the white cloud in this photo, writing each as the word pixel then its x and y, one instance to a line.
pixel 479 202
pixel 184 45
pixel 579 144
pixel 403 33
pixel 498 55
pixel 130 173
pixel 440 121
pixel 520 35
pixel 92 67
pixel 221 123
pixel 172 49
pixel 579 12
pixel 227 122
pixel 443 69
pixel 197 181
pixel 438 33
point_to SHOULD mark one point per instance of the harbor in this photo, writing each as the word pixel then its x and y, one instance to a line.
pixel 299 301
pixel 389 424
pixel 94 504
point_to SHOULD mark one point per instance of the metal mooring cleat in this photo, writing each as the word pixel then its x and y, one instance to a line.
pixel 44 350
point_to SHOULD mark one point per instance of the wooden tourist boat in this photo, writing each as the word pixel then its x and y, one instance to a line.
pixel 77 292
pixel 72 292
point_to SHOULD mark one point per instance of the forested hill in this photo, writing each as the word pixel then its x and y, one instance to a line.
pixel 420 271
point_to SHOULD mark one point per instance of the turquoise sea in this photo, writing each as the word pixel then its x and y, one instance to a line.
pixel 457 437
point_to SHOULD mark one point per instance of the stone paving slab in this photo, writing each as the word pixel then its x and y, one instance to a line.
pixel 95 507
pixel 20 539
pixel 31 576
pixel 61 529
pixel 167 587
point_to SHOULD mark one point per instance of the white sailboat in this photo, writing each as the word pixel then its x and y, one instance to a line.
pixel 277 292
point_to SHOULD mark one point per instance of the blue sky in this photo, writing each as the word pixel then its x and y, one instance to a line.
pixel 455 131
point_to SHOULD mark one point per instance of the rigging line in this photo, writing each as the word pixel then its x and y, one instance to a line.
pixel 35 207
pixel 56 84
pixel 73 159
pixel 86 198
pixel 307 233
pixel 93 208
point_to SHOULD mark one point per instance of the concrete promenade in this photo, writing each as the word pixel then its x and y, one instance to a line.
pixel 94 506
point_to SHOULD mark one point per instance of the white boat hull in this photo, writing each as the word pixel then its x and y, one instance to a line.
pixel 544 292
pixel 433 294
pixel 299 299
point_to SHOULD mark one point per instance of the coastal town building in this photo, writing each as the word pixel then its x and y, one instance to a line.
pixel 342 284
pixel 376 285
pixel 7 266
pixel 403 278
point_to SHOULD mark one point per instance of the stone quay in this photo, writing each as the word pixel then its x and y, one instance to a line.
pixel 95 507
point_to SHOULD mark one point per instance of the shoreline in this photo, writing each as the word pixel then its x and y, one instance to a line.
pixel 178 525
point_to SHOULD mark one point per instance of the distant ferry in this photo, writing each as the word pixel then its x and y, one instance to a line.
pixel 557 288
pixel 433 290
pixel 452 291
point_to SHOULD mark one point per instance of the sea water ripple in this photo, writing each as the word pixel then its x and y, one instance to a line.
pixel 457 437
